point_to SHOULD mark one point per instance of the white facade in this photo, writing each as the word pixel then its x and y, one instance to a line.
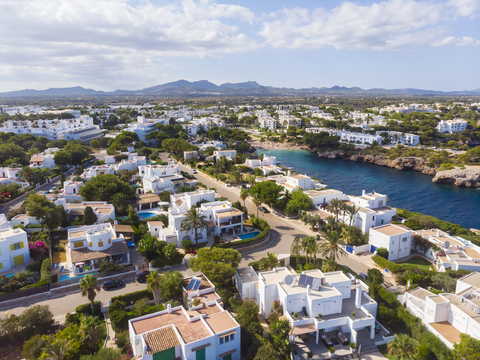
pixel 324 196
pixel 292 182
pixel 396 239
pixel 219 145
pixel 190 155
pixel 359 138
pixel 229 154
pixel 44 159
pixel 131 163
pixel 144 126
pixel 402 138
pixel 452 126
pixel 13 248
pixel 10 175
pixel 96 170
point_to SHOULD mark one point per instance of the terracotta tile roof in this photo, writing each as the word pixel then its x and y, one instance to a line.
pixel 147 198
pixel 161 339
pixel 155 223
pixel 447 330
pixel 36 158
pixel 83 254
pixel 221 322
pixel 189 331
pixel 303 329
pixel 208 310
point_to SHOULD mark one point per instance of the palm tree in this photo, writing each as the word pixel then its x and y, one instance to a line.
pixel 308 246
pixel 251 179
pixel 270 262
pixel 57 350
pixel 194 220
pixel 331 224
pixel 256 201
pixel 153 284
pixel 91 330
pixel 352 212
pixel 331 246
pixel 403 347
pixel 244 195
pixel 236 176
pixel 89 287
pixel 348 234
pixel 336 207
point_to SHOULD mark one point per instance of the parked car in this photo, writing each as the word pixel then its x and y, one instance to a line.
pixel 111 283
pixel 363 275
pixel 263 209
pixel 52 189
pixel 194 171
pixel 142 276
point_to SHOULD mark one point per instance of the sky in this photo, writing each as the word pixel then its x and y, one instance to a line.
pixel 122 44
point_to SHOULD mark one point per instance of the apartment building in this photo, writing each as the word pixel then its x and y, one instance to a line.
pixel 267 164
pixel 13 247
pixel 131 163
pixel 54 129
pixel 397 137
pixel 158 178
pixel 452 126
pixel 448 315
pixel 88 244
pixel 359 138
pixel 228 154
pixel 143 126
pixel 204 331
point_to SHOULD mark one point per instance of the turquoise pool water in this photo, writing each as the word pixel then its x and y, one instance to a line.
pixel 147 215
pixel 67 277
pixel 10 275
pixel 249 235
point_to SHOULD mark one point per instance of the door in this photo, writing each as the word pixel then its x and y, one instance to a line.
pixel 200 354
pixel 373 248
pixel 228 357
pixel 18 260
pixel 246 293
pixel 168 354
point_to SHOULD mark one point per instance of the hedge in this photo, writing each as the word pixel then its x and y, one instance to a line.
pixel 34 226
pixel 136 295
pixel 87 308
pixel 246 242
pixel 391 266
pixel 45 274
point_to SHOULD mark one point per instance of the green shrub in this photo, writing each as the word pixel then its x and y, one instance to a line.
pixel 35 266
pixel 58 248
pixel 87 308
pixel 424 353
pixel 383 252
pixel 119 320
pixel 33 347
pixel 133 296
pixel 256 265
pixel 186 244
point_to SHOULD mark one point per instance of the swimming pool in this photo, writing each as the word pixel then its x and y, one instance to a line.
pixel 249 235
pixel 147 215
pixel 67 277
pixel 10 275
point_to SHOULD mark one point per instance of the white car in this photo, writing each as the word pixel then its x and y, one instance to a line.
pixel 52 189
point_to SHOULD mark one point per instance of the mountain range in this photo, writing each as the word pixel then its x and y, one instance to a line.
pixel 204 87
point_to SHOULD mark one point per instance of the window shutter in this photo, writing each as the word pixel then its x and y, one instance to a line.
pixel 21 245
pixel 12 247
pixel 1 266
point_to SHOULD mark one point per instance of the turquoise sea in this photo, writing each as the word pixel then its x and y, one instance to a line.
pixel 406 189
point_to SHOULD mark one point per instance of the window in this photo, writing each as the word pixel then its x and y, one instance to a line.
pixel 231 337
pixel 100 243
pixel 90 244
pixel 393 242
pixel 77 244
pixel 373 217
pixel 227 339
pixel 404 239
pixel 16 246
pixel 109 241
pixel 221 341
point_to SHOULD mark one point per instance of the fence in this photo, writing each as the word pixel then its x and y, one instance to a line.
pixel 22 293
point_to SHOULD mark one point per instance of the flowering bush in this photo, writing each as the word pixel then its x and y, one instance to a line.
pixel 37 249
pixel 122 340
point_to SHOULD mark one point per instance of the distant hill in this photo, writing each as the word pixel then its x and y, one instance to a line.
pixel 184 87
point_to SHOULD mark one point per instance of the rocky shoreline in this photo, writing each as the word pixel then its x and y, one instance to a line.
pixel 468 177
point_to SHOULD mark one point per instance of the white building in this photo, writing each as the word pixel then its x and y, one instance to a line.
pixel 190 155
pixel 219 145
pixel 13 247
pixel 10 175
pixel 452 126
pixel 448 315
pixel 359 138
pixel 96 170
pixel 324 196
pixel 131 163
pixel 190 128
pixel 205 331
pixel 220 215
pixel 158 170
pixel 292 182
pixel 88 244
pixel 229 154
pixel 397 137
pixel 304 296
pixel 55 129
pixel 44 159
pixel 267 164
pixel 144 126
pixel 267 123
pixel 395 238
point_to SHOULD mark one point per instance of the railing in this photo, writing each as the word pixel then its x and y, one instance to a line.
pixel 21 293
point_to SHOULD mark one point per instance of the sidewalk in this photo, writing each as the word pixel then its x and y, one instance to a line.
pixel 110 333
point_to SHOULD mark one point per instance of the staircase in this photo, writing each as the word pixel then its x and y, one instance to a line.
pixel 367 349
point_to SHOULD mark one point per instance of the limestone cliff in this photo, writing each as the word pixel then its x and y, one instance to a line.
pixel 469 177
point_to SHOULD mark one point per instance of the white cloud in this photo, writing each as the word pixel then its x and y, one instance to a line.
pixel 470 8
pixel 464 41
pixel 387 25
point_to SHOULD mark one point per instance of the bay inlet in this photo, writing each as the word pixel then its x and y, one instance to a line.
pixel 406 189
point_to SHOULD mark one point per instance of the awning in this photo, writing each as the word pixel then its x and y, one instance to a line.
pixel 227 334
pixel 227 353
pixel 201 347
pixel 210 224
pixel 303 329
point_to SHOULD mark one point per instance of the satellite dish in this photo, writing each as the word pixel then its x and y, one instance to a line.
pixel 446 244
pixel 447 306
pixel 289 280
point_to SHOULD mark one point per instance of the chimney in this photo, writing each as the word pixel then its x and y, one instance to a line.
pixel 169 308
pixel 438 233
pixel 358 297
pixel 309 289
pixel 115 222
pixel 363 193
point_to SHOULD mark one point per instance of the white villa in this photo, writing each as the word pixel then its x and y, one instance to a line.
pixel 267 164
pixel 398 137
pixel 97 170
pixel 397 239
pixel 10 175
pixel 292 182
pixel 448 315
pixel 158 178
pixel 13 246
pixel 229 154
pixel 221 217
pixel 87 244
pixel 44 160
pixel 201 332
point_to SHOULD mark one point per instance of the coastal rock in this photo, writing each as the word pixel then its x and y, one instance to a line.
pixel 468 177
pixel 403 163
pixel 336 154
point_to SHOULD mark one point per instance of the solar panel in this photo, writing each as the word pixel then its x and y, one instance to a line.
pixel 196 286
pixel 192 282
pixel 302 281
pixel 309 281
pixel 316 283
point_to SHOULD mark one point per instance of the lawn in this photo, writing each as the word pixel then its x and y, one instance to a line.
pixel 421 263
